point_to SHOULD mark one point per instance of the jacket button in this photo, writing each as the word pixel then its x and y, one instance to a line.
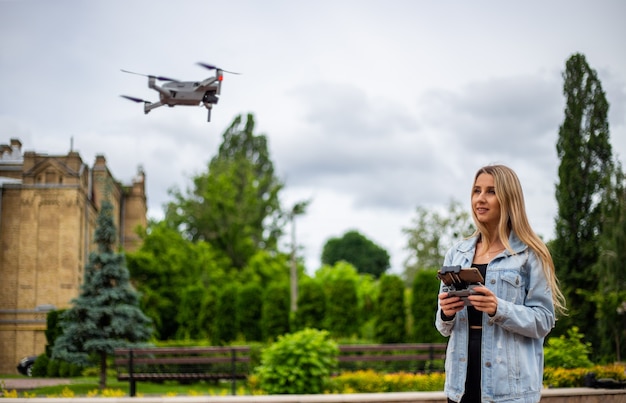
pixel 493 281
pixel 488 364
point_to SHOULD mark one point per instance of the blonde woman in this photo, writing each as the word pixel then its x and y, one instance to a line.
pixel 495 351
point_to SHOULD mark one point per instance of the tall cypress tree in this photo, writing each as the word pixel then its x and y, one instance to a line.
pixel 106 314
pixel 390 312
pixel 610 298
pixel 424 306
pixel 584 177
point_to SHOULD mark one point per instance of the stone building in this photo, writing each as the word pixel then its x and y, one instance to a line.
pixel 48 210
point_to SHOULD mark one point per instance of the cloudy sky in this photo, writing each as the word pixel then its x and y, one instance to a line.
pixel 371 108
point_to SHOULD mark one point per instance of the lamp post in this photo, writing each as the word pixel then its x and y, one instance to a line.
pixel 298 209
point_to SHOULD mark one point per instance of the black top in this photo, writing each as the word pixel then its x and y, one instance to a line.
pixel 475 317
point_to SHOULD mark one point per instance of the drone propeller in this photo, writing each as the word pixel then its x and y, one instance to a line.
pixel 135 99
pixel 212 67
pixel 160 78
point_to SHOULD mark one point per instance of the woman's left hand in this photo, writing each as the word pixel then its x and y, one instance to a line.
pixel 484 300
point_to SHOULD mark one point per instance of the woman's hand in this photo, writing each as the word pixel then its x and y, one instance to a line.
pixel 484 300
pixel 450 305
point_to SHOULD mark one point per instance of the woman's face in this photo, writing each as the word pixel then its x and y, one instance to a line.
pixel 485 204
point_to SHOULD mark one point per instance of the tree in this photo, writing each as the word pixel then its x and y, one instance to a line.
pixel 311 305
pixel 249 311
pixel 424 306
pixel 431 234
pixel 357 250
pixel 610 298
pixel 225 322
pixel 275 310
pixel 234 205
pixel 584 183
pixel 179 281
pixel 106 314
pixel 390 312
pixel 342 302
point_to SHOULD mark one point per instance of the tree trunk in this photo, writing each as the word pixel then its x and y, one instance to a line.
pixel 103 370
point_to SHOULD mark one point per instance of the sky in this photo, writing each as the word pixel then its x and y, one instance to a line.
pixel 371 108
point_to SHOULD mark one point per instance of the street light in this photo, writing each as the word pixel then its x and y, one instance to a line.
pixel 298 209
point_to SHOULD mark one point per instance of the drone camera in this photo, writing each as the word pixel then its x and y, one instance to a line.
pixel 210 97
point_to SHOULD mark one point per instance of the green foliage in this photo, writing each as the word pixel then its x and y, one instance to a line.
pixel 264 268
pixel 342 309
pixel 585 171
pixel 575 377
pixel 197 311
pixel 226 327
pixel 610 298
pixel 234 206
pixel 298 363
pixel 431 233
pixel 424 307
pixel 357 250
pixel 275 313
pixel 178 280
pixel 369 381
pixel 390 312
pixel 249 311
pixel 52 370
pixel 40 367
pixel 311 304
pixel 53 329
pixel 568 351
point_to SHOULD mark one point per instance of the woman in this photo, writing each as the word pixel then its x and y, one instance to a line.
pixel 495 351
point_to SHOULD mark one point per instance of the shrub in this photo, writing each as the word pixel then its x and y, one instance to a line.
pixel 575 377
pixel 40 367
pixel 369 381
pixel 53 368
pixel 568 352
pixel 298 363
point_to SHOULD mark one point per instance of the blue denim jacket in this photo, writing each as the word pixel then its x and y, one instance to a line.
pixel 512 340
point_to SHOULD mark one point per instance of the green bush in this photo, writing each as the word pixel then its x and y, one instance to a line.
pixel 40 367
pixel 574 377
pixel 298 363
pixel 53 368
pixel 568 352
pixel 369 381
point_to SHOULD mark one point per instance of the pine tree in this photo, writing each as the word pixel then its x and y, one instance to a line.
pixel 106 314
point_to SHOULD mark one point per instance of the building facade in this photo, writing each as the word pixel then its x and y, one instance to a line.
pixel 48 210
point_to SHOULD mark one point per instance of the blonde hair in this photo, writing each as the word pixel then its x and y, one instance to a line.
pixel 513 218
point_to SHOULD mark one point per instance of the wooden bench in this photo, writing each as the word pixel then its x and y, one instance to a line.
pixel 409 357
pixel 190 364
pixel 182 364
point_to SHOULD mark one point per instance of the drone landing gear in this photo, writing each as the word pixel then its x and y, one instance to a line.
pixel 209 115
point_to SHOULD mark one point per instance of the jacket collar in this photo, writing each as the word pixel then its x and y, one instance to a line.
pixel 469 244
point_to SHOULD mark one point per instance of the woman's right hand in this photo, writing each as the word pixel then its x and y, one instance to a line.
pixel 450 305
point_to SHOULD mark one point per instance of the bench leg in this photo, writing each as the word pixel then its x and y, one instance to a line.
pixel 133 389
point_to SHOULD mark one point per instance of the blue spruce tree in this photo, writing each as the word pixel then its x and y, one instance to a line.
pixel 106 314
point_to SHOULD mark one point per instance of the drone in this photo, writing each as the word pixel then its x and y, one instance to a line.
pixel 175 92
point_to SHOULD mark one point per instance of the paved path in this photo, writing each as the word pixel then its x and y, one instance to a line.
pixel 27 383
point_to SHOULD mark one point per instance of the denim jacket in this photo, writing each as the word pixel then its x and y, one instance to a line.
pixel 512 340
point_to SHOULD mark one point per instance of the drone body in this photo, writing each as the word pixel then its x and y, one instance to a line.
pixel 192 93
